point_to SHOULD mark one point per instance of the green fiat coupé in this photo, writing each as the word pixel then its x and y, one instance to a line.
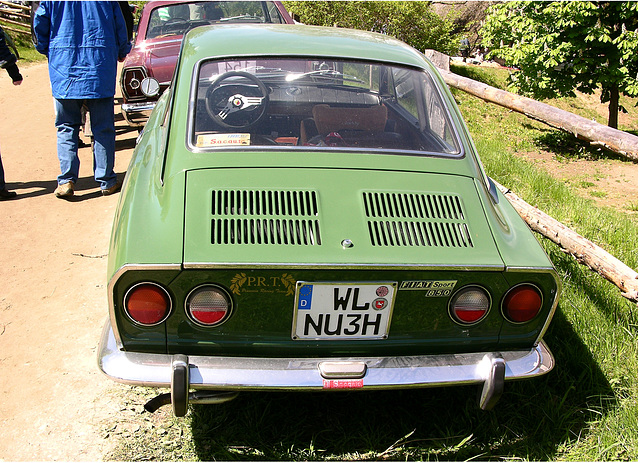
pixel 305 210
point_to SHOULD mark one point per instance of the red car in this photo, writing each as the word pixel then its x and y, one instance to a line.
pixel 159 37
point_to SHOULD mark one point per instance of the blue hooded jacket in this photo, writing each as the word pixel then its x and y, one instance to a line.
pixel 83 42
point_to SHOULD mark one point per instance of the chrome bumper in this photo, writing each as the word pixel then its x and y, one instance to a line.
pixel 137 114
pixel 237 373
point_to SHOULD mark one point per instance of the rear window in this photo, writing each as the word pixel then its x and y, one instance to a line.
pixel 177 19
pixel 319 103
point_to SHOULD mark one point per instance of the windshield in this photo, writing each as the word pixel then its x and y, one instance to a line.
pixel 319 103
pixel 179 18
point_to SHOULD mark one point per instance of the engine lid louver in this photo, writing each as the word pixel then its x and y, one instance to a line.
pixel 399 219
pixel 265 217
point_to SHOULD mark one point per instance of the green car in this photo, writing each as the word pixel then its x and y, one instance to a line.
pixel 305 210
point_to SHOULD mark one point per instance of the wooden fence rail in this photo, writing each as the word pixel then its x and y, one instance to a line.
pixel 614 140
pixel 585 251
pixel 15 14
pixel 620 142
pixel 15 6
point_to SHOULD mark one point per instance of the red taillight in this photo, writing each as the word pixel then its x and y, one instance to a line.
pixel 147 304
pixel 470 305
pixel 131 79
pixel 208 305
pixel 522 303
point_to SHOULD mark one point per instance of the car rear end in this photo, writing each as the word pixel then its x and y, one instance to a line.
pixel 314 287
pixel 373 256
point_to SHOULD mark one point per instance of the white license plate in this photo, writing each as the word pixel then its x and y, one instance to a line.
pixel 343 310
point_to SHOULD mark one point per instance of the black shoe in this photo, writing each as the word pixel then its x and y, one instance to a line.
pixel 5 194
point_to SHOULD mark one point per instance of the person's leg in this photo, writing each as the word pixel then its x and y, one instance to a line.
pixel 4 194
pixel 104 141
pixel 2 184
pixel 68 121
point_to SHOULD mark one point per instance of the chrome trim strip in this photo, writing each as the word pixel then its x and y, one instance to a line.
pixel 530 269
pixel 237 373
pixel 554 306
pixel 134 107
pixel 116 276
pixel 137 114
pixel 148 42
pixel 318 266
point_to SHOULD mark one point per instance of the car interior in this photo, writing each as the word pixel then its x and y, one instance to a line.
pixel 271 105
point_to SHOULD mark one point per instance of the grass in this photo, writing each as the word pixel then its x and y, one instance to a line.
pixel 632 206
pixel 27 53
pixel 586 409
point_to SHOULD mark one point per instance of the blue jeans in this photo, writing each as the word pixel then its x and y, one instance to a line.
pixel 68 122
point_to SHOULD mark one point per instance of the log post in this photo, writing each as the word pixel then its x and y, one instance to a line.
pixel 586 252
pixel 617 141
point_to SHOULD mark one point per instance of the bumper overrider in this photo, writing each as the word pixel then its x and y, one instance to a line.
pixel 137 114
pixel 218 379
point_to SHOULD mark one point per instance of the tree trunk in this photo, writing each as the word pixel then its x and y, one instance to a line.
pixel 586 252
pixel 614 107
pixel 598 134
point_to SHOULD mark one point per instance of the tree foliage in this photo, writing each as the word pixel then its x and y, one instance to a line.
pixel 560 47
pixel 412 22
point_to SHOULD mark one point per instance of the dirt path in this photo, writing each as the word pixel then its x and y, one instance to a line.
pixel 53 400
pixel 52 286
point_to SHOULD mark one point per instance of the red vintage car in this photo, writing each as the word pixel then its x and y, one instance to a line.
pixel 158 39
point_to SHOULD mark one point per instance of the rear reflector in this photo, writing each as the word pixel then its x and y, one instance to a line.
pixel 208 305
pixel 147 304
pixel 469 305
pixel 522 303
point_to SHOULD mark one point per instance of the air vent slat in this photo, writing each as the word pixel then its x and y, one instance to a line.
pixel 261 217
pixel 416 219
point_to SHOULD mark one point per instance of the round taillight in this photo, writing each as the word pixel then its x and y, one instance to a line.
pixel 522 303
pixel 147 304
pixel 131 80
pixel 208 305
pixel 470 305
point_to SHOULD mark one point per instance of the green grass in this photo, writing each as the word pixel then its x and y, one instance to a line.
pixel 586 409
pixel 27 52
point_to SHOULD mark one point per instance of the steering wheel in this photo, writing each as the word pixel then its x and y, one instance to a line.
pixel 176 25
pixel 234 103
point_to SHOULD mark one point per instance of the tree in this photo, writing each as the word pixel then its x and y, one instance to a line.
pixel 560 47
pixel 412 22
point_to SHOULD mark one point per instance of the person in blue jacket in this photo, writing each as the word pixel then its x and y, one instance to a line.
pixel 7 62
pixel 83 42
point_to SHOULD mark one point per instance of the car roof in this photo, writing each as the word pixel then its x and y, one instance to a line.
pixel 151 5
pixel 298 40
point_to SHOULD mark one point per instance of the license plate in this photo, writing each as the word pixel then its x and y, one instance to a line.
pixel 343 310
